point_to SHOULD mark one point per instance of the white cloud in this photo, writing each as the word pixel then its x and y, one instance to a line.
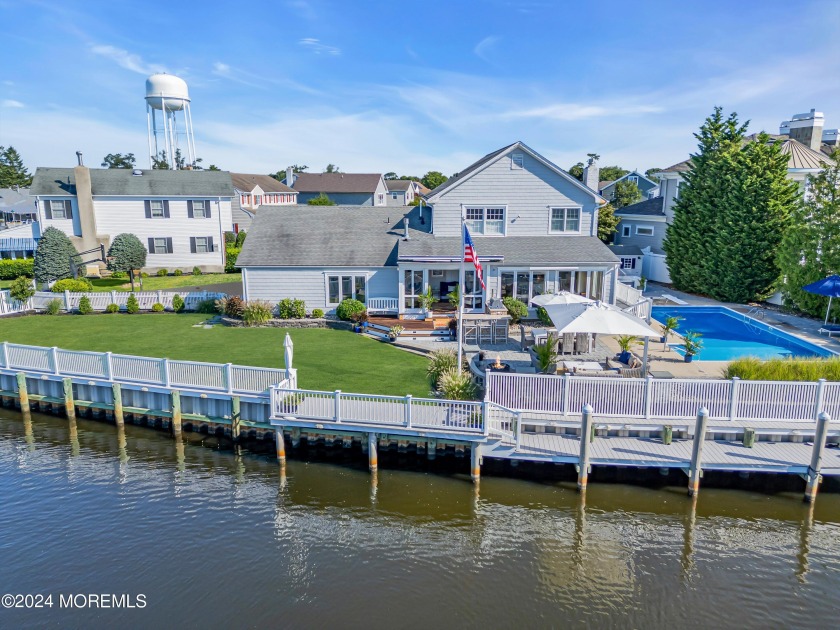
pixel 222 69
pixel 319 48
pixel 483 48
pixel 126 60
pixel 579 111
pixel 9 102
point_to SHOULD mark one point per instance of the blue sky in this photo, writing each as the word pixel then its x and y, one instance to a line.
pixel 410 86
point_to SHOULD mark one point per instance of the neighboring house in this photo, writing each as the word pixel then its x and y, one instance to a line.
pixel 401 192
pixel 645 185
pixel 630 263
pixel 346 189
pixel 534 227
pixel 809 129
pixel 18 229
pixel 251 192
pixel 180 216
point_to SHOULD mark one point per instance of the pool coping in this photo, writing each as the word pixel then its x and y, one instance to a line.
pixel 743 317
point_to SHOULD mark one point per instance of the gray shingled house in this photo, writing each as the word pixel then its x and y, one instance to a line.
pixel 534 227
pixel 358 189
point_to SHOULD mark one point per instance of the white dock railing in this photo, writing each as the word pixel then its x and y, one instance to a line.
pixel 456 416
pixel 673 399
pixel 213 377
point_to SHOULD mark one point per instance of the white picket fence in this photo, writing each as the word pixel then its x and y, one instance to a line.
pixel 213 377
pixel 673 399
pixel 100 301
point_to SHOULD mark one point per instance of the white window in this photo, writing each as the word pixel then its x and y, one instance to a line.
pixel 381 198
pixel 257 200
pixel 524 285
pixel 628 263
pixel 200 209
pixel 159 246
pixel 245 200
pixel 626 229
pixel 201 245
pixel 517 161
pixel 346 287
pixel 634 179
pixel 156 206
pixel 644 230
pixel 57 209
pixel 565 220
pixel 486 221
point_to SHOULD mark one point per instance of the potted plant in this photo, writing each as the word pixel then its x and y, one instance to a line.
pixel 670 325
pixel 546 355
pixel 426 300
pixel 394 332
pixel 360 321
pixel 626 342
pixel 692 344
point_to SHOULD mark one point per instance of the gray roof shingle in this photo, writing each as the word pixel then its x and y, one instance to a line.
pixel 122 182
pixel 248 181
pixel 649 207
pixel 336 182
pixel 626 250
pixel 398 184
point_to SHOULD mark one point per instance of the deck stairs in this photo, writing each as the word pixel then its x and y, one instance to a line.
pixel 412 328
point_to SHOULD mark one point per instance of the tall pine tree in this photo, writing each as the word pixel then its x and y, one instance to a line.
pixel 12 171
pixel 810 250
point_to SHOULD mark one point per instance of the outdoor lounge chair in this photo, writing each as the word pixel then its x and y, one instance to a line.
pixel 830 329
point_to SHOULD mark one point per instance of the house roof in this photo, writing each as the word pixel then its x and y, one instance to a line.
pixel 480 164
pixel 398 184
pixel 647 207
pixel 16 201
pixel 328 236
pixel 802 157
pixel 247 182
pixel 679 167
pixel 337 182
pixel 121 182
pixel 626 250
pixel 603 184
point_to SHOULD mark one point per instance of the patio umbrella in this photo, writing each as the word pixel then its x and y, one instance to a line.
pixel 827 286
pixel 597 318
pixel 561 298
pixel 289 351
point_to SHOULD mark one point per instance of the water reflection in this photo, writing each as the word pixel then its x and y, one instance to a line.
pixel 687 557
pixel 804 542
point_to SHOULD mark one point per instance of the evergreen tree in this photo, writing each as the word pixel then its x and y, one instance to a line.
pixel 118 160
pixel 12 171
pixel 626 193
pixel 321 200
pixel 576 171
pixel 607 223
pixel 52 258
pixel 126 254
pixel 810 250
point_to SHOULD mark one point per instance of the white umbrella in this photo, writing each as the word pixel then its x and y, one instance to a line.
pixel 561 298
pixel 597 318
pixel 289 351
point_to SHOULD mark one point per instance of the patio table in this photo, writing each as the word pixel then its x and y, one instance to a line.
pixel 593 366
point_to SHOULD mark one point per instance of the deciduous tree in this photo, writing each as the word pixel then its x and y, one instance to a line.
pixel 321 200
pixel 433 179
pixel 607 223
pixel 118 160
pixel 626 193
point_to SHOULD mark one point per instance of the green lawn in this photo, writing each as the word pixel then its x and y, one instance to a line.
pixel 156 283
pixel 326 359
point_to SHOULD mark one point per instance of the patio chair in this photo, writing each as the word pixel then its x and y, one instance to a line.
pixel 526 337
pixel 830 329
pixel 485 332
pixel 568 343
pixel 582 343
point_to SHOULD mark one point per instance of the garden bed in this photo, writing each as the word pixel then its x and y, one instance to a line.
pixel 309 322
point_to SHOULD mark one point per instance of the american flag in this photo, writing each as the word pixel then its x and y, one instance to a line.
pixel 471 256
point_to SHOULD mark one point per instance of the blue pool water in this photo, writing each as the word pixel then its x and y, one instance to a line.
pixel 727 334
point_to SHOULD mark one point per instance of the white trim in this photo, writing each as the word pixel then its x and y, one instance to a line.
pixel 646 227
pixel 551 210
pixel 484 208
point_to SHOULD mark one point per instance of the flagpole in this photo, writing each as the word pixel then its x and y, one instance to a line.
pixel 460 327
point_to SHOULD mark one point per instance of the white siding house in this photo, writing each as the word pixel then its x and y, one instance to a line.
pixel 181 216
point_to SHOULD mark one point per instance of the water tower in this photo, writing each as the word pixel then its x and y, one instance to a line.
pixel 169 119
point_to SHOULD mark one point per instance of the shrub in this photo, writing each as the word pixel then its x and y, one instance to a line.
pixel 54 306
pixel 230 238
pixel 196 271
pixel 81 285
pixel 235 306
pixel 439 362
pixel 120 275
pixel 290 308
pixel 162 272
pixel 144 275
pixel 112 308
pixel 257 312
pixel 231 254
pixel 221 304
pixel 132 305
pixel 206 307
pixel 517 309
pixel 178 303
pixel 317 313
pixel 787 369
pixel 177 272
pixel 546 353
pixel 157 307
pixel 21 289
pixel 126 253
pixel 85 307
pixel 11 269
pixel 542 315
pixel 52 258
pixel 348 308
pixel 240 239
pixel 456 385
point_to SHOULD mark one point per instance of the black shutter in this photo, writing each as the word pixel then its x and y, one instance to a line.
pixel 148 205
pixel 192 244
pixel 168 245
pixel 165 209
pixel 68 209
pixel 207 212
pixel 47 209
pixel 190 213
pixel 210 244
pixel 151 244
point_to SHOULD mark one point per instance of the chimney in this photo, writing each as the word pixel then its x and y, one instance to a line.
pixel 79 158
pixel 806 128
pixel 405 224
pixel 290 176
pixel 591 173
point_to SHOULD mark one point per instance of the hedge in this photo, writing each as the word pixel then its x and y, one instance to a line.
pixel 11 269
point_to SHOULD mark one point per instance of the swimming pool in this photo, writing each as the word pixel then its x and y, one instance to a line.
pixel 727 335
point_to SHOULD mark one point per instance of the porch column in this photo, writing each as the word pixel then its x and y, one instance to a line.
pixel 613 285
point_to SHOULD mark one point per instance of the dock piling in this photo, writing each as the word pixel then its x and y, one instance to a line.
pixel 813 475
pixel 23 394
pixel 235 417
pixel 281 446
pixel 176 412
pixel 69 403
pixel 116 390
pixel 583 466
pixel 373 463
pixel 475 462
pixel 696 471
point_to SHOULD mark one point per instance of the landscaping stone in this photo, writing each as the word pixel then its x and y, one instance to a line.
pixel 319 322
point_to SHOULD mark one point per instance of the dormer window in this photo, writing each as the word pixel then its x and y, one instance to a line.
pixel 517 161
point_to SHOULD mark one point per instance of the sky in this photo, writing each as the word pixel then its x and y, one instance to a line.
pixel 409 86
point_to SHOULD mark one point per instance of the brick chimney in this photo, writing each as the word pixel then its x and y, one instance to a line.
pixel 591 173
